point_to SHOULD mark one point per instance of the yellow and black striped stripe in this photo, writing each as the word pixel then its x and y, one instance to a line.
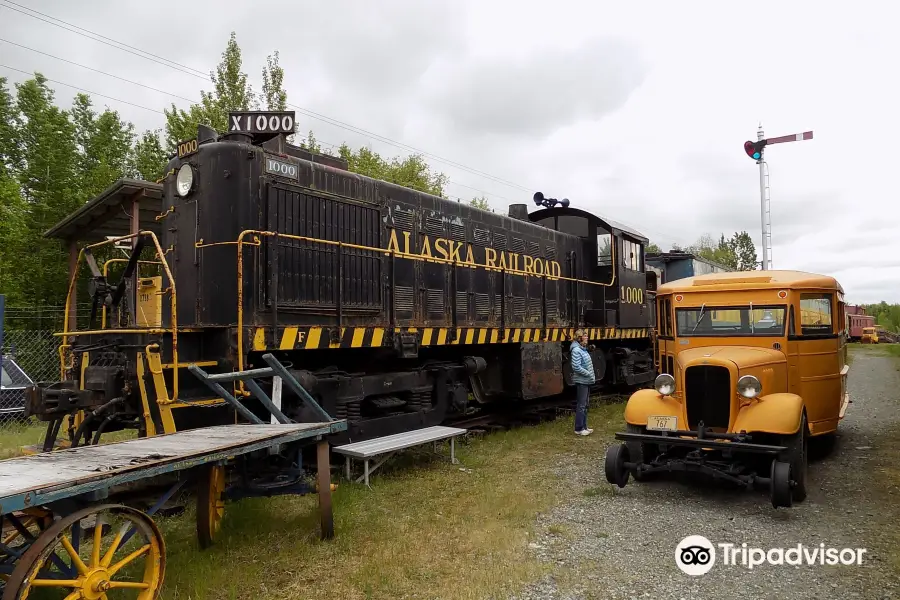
pixel 314 338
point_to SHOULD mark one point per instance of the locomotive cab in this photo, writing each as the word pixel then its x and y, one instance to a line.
pixel 611 293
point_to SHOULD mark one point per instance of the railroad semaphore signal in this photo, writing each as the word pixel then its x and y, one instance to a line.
pixel 755 151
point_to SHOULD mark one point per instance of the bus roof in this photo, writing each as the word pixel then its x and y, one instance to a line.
pixel 751 280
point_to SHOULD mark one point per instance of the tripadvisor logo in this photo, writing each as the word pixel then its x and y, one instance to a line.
pixel 696 555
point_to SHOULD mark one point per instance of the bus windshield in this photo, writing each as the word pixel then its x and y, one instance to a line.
pixel 730 321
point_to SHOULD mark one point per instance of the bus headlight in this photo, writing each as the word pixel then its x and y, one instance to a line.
pixel 665 384
pixel 184 181
pixel 749 386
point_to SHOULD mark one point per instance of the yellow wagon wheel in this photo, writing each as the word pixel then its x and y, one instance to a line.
pixel 210 504
pixel 124 556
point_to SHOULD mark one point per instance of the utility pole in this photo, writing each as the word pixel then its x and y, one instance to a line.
pixel 755 151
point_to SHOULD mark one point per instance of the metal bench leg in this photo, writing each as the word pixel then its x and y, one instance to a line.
pixel 347 466
pixel 323 468
pixel 452 451
pixel 367 471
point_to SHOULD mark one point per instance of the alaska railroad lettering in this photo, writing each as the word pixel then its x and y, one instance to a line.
pixel 464 254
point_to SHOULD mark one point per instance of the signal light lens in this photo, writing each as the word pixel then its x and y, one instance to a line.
pixel 753 149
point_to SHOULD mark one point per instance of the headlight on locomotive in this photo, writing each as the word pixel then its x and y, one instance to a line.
pixel 665 384
pixel 749 386
pixel 184 181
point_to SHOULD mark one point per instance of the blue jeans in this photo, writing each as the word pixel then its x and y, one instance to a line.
pixel 582 394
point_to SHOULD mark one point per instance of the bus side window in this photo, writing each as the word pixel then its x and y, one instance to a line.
pixel 816 314
pixel 791 330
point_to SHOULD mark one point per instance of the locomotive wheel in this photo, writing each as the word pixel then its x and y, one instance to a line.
pixel 210 504
pixel 95 566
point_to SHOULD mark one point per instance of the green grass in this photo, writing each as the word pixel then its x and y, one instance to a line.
pixel 891 349
pixel 425 528
pixel 14 436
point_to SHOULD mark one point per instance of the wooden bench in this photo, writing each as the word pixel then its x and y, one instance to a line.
pixel 391 444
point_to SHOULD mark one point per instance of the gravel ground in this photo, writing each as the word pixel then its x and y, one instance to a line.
pixel 620 543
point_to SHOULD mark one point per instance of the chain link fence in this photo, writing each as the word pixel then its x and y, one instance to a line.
pixel 30 353
pixel 29 356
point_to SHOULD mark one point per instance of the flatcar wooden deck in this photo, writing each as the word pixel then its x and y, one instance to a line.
pixel 41 478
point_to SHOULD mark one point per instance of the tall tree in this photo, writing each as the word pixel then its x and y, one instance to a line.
pixel 717 251
pixel 148 159
pixel 481 203
pixel 736 253
pixel 744 251
pixel 312 144
pixel 652 249
pixel 8 148
pixel 273 84
pixel 47 178
pixel 104 145
pixel 412 171
pixel 14 235
pixel 231 91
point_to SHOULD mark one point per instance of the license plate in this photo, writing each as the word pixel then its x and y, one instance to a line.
pixel 658 423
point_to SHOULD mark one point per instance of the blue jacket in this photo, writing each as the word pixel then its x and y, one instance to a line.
pixel 582 365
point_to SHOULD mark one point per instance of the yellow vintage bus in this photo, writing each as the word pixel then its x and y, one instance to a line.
pixel 752 366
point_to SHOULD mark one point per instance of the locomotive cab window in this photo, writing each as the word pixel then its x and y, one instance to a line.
pixel 604 250
pixel 632 255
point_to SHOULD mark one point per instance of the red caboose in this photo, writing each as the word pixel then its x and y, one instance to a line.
pixel 857 319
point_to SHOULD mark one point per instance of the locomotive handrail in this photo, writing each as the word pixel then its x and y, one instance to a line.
pixel 387 252
pixel 106 272
pixel 172 299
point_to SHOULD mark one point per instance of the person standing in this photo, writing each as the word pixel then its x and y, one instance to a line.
pixel 583 377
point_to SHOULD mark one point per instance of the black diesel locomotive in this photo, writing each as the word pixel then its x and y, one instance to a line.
pixel 395 308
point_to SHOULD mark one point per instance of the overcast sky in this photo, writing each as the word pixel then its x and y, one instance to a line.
pixel 634 110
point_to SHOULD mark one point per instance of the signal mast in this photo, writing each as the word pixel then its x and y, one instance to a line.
pixel 755 151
